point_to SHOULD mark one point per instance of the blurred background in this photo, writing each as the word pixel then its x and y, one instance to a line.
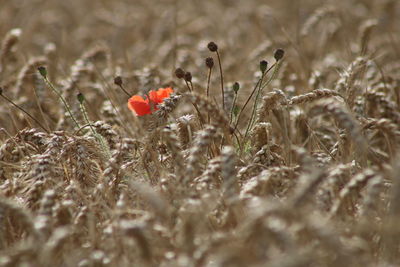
pixel 145 32
pixel 153 38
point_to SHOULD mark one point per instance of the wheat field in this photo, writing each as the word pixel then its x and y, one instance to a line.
pixel 278 146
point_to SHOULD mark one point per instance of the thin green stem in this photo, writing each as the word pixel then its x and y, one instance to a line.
pixel 25 112
pixel 208 90
pixel 41 110
pixel 80 129
pixel 254 107
pixel 62 99
pixel 233 108
pixel 251 95
pixel 208 82
pixel 95 134
pixel 123 89
pixel 278 65
pixel 222 80
pixel 262 86
pixel 245 104
pixel 108 96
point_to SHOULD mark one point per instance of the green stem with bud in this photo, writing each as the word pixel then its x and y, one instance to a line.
pixel 245 104
pixel 262 86
pixel 43 73
pixel 253 112
pixel 81 100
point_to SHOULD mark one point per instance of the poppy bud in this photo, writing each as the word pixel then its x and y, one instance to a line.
pixel 188 76
pixel 80 98
pixel 279 54
pixel 263 65
pixel 236 87
pixel 213 47
pixel 210 62
pixel 118 80
pixel 42 70
pixel 179 73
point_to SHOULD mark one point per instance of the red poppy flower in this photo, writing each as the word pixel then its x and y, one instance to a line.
pixel 142 106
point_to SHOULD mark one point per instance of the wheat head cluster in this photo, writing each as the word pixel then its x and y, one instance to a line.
pixel 199 133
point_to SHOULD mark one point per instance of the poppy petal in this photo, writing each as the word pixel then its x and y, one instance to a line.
pixel 164 92
pixel 140 106
pixel 146 106
pixel 154 97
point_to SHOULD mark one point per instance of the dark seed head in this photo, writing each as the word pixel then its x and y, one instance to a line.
pixel 236 87
pixel 118 80
pixel 210 62
pixel 263 65
pixel 213 47
pixel 179 73
pixel 1 90
pixel 279 53
pixel 42 70
pixel 80 97
pixel 188 76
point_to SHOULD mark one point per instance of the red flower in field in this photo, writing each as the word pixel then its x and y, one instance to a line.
pixel 142 106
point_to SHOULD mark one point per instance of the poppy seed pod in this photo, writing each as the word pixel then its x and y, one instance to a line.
pixel 279 53
pixel 42 70
pixel 236 87
pixel 188 77
pixel 210 62
pixel 213 47
pixel 118 80
pixel 80 97
pixel 179 73
pixel 263 65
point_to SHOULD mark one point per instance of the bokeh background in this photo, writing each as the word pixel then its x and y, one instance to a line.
pixel 149 32
pixel 151 38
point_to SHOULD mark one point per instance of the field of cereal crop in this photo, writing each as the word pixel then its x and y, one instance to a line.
pixel 199 133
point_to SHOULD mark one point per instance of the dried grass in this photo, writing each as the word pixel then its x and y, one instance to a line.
pixel 303 174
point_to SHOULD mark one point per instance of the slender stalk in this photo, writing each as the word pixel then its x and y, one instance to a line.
pixel 245 104
pixel 251 95
pixel 233 107
pixel 40 109
pixel 222 80
pixel 195 107
pixel 238 142
pixel 109 98
pixel 208 89
pixel 80 129
pixel 262 86
pixel 49 84
pixel 254 107
pixel 95 134
pixel 208 82
pixel 188 86
pixel 273 74
pixel 123 89
pixel 191 84
pixel 25 112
